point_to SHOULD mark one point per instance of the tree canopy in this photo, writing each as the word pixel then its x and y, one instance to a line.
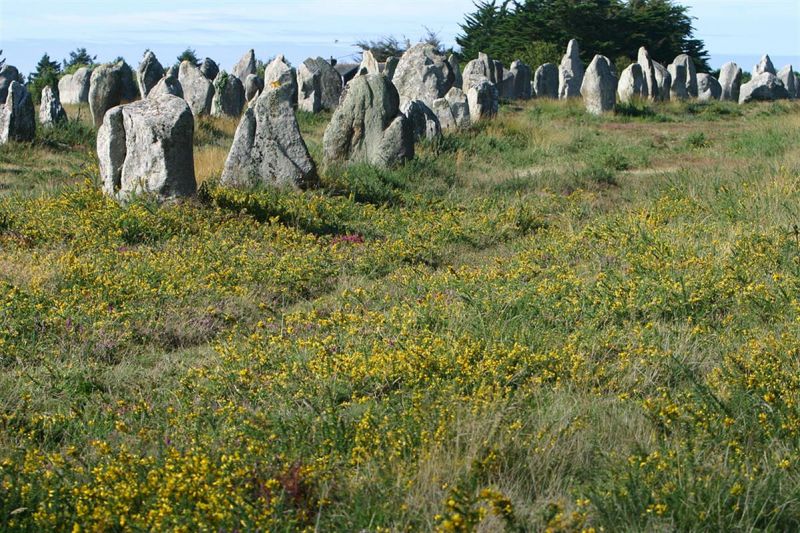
pixel 78 58
pixel 537 31
pixel 46 73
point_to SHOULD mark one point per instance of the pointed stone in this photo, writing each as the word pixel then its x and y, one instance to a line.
pixel 570 72
pixel 149 73
pixel 245 66
pixel 50 110
pixel 730 80
pixel 599 86
pixel 197 90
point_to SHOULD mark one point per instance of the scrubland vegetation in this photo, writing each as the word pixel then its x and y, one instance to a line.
pixel 549 321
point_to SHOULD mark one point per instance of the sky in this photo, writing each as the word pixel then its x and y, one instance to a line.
pixel 733 30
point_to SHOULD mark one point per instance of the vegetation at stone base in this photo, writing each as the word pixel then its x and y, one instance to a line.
pixel 78 58
pixel 532 30
pixel 549 321
pixel 46 74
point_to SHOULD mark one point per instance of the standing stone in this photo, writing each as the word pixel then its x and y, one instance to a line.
pixel 268 148
pixel 765 65
pixel 278 73
pixel 423 74
pixel 677 72
pixel 130 92
pixel 649 85
pixel 330 81
pixel 631 84
pixel 369 65
pixel 599 86
pixel 787 77
pixel 167 85
pixel 506 87
pixel 570 72
pixel 445 115
pixel 730 79
pixel 498 71
pixel 74 88
pixel 708 88
pixel 50 110
pixel 545 81
pixel 522 80
pixel 105 91
pixel 691 74
pixel 210 69
pixel 663 81
pixel 245 66
pixel 228 100
pixel 424 122
pixel 458 81
pixel 390 67
pixel 146 147
pixel 8 74
pixel 149 73
pixel 368 127
pixel 197 90
pixel 484 101
pixel 478 70
pixel 17 118
pixel 309 87
pixel 173 72
pixel 253 86
pixel 453 109
pixel 764 87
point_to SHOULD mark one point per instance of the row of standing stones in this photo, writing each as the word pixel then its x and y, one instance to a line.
pixel 380 110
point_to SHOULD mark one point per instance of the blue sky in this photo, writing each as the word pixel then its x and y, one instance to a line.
pixel 738 30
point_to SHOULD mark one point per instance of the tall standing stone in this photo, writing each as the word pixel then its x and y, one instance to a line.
pixel 663 81
pixel 210 69
pixel 545 81
pixel 730 79
pixel 130 92
pixel 423 74
pixel 708 88
pixel 228 100
pixel 105 91
pixel 369 65
pixel 459 80
pixel 8 74
pixel 50 110
pixel 390 67
pixel 498 72
pixel 599 86
pixel 368 127
pixel 149 73
pixel 570 72
pixel 309 87
pixel 278 73
pixel 245 66
pixel 146 147
pixel 765 65
pixel 253 86
pixel 197 90
pixel 522 80
pixel 677 72
pixel 631 84
pixel 484 101
pixel 17 118
pixel 650 87
pixel 268 148
pixel 330 82
pixel 691 74
pixel 74 88
pixel 787 77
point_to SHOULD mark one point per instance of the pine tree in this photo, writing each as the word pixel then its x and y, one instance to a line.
pixel 188 55
pixel 46 74
pixel 78 58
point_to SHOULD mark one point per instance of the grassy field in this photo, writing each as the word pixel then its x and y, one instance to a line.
pixel 550 321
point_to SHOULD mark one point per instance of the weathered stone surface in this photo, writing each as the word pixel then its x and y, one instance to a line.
pixel 506 87
pixel 17 118
pixel 498 72
pixel 522 80
pixel 309 87
pixel 677 72
pixel 330 81
pixel 663 81
pixel 570 72
pixel 245 66
pixel 268 148
pixel 253 86
pixel 484 101
pixel 390 67
pixel 453 109
pixel 167 85
pixel 228 100
pixel 789 81
pixel 424 122
pixel 7 75
pixel 708 88
pixel 369 65
pixel 691 74
pixel 631 84
pixel 149 73
pixel 545 81
pixel 763 87
pixel 765 65
pixel 443 112
pixel 478 70
pixel 599 86
pixel 146 147
pixel 210 69
pixel 197 90
pixel 458 80
pixel 278 74
pixel 105 91
pixel 730 80
pixel 50 110
pixel 368 127
pixel 650 87
pixel 423 74
pixel 130 92
pixel 74 88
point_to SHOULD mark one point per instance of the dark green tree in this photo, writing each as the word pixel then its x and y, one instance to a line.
pixel 188 55
pixel 391 46
pixel 615 28
pixel 78 58
pixel 46 74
